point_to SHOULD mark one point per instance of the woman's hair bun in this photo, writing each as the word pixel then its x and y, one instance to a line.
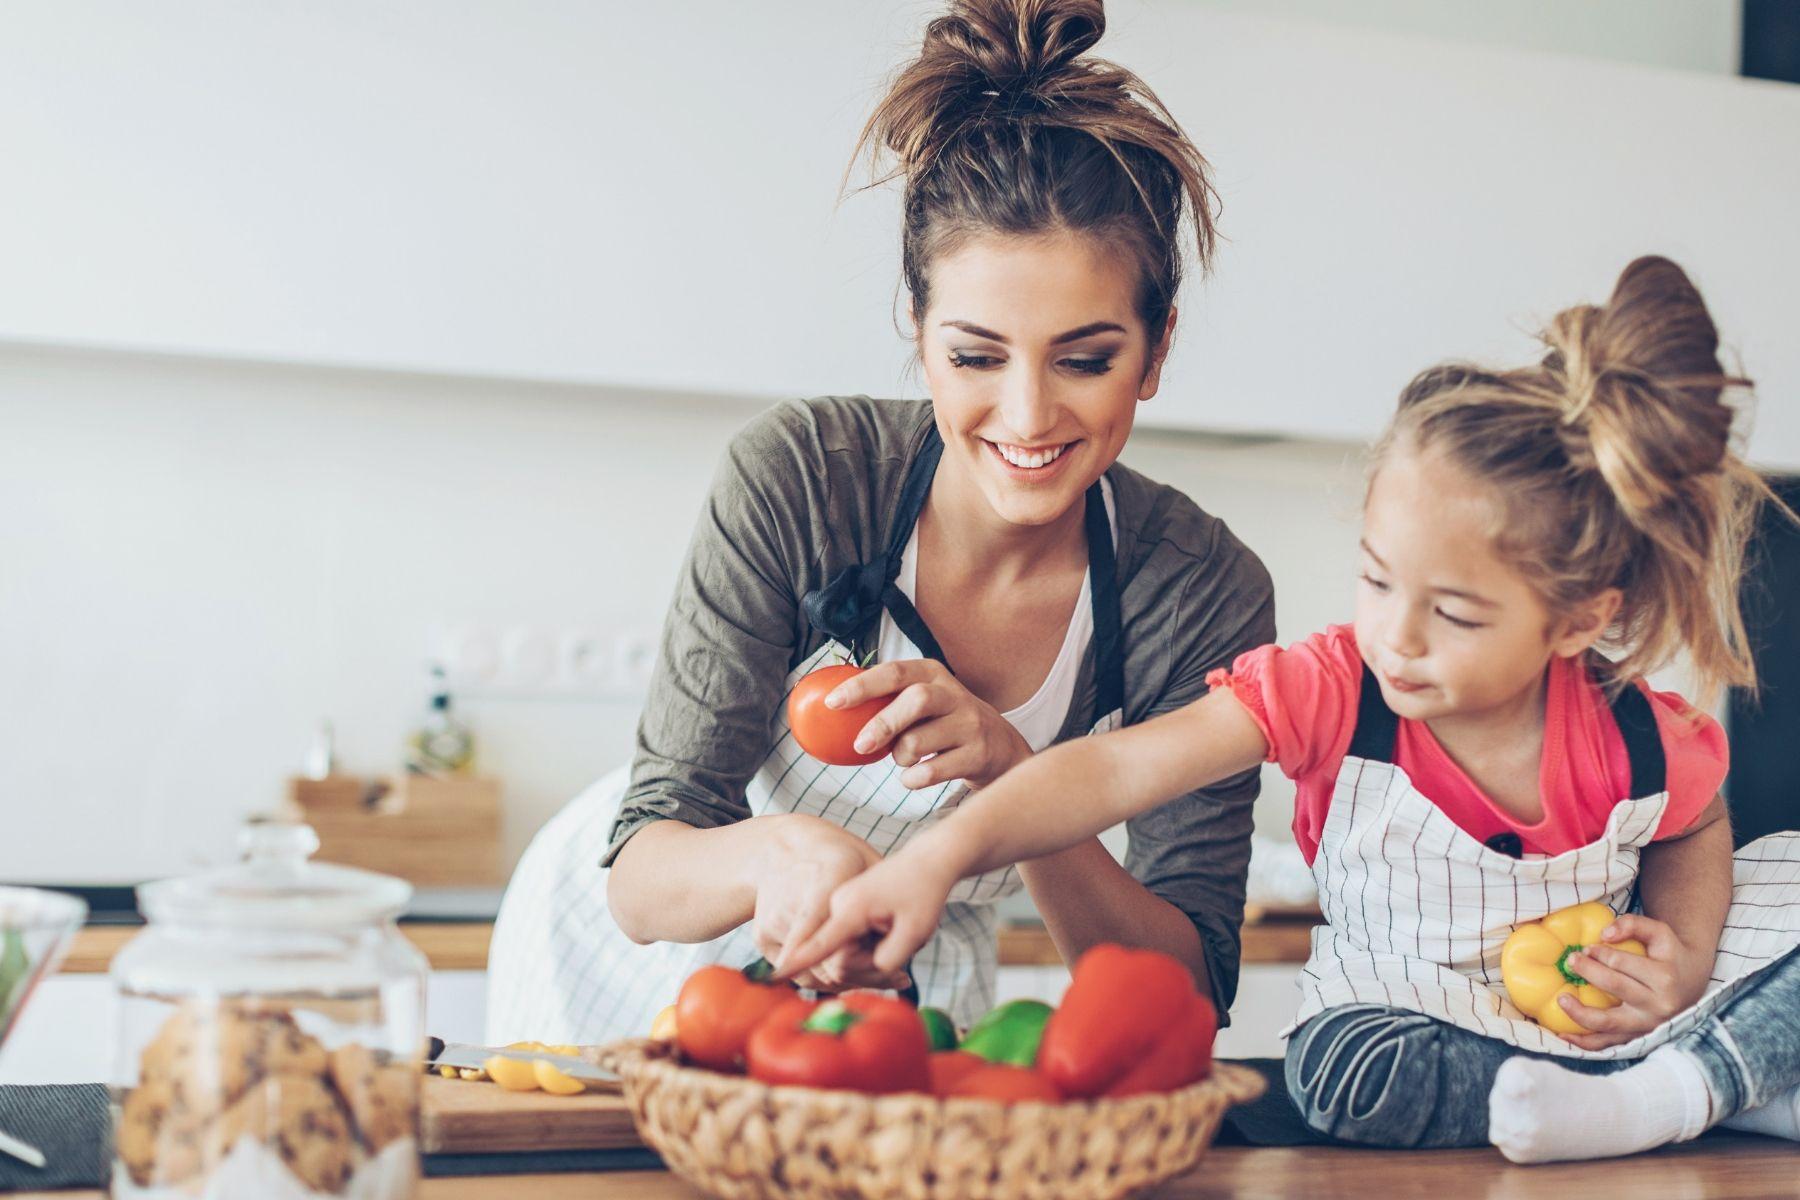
pixel 1013 50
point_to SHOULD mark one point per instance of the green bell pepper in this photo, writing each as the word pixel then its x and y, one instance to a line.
pixel 1009 1034
pixel 940 1030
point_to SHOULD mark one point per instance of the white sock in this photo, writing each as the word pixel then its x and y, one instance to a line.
pixel 1780 1117
pixel 1542 1112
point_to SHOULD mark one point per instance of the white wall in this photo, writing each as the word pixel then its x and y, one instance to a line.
pixel 637 195
pixel 199 560
pixel 1692 35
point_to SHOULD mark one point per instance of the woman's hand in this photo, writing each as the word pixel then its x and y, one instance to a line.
pixel 940 730
pixel 803 863
pixel 1652 987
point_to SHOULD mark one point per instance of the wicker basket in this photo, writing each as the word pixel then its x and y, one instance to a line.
pixel 741 1140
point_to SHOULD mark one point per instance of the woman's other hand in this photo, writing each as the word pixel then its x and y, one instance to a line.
pixel 804 861
pixel 939 729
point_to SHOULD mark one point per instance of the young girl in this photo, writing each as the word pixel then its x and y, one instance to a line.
pixel 1466 761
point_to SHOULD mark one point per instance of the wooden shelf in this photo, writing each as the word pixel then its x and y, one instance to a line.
pixel 463 945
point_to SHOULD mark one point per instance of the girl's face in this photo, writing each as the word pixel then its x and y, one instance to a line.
pixel 1036 362
pixel 1447 627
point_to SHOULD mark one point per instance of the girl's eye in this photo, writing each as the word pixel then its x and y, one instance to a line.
pixel 981 362
pixel 1089 366
pixel 1373 582
pixel 1458 621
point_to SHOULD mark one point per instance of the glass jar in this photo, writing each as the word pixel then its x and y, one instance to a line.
pixel 271 1030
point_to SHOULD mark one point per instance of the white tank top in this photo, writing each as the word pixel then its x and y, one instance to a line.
pixel 1040 718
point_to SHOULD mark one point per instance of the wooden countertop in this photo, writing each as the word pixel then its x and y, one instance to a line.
pixel 1725 1168
pixel 463 946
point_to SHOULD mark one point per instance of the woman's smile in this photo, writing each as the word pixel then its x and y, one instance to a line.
pixel 1030 464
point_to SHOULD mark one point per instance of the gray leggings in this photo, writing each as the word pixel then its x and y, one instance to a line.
pixel 1384 1076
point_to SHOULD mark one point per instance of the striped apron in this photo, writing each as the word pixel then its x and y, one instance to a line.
pixel 560 970
pixel 1417 908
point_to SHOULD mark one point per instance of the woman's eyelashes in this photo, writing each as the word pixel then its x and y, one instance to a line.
pixel 1084 365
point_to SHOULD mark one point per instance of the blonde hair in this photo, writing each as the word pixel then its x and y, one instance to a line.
pixel 1613 466
pixel 1004 123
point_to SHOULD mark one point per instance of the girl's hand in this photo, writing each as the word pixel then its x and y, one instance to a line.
pixel 932 714
pixel 806 860
pixel 899 899
pixel 1652 987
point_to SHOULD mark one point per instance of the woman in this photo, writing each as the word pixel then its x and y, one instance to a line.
pixel 1019 586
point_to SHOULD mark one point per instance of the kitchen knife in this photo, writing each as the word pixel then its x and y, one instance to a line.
pixel 456 1054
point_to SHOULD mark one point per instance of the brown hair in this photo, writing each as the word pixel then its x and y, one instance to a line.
pixel 1003 124
pixel 1613 464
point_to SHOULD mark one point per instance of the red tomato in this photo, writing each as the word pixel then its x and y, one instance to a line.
pixel 1005 1083
pixel 716 1011
pixel 829 734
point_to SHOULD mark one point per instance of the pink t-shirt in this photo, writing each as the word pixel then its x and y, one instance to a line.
pixel 1304 699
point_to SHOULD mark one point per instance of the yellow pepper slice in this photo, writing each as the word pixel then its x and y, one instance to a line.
pixel 1534 970
pixel 519 1075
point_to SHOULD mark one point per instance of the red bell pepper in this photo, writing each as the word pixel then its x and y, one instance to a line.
pixel 947 1067
pixel 860 1041
pixel 1006 1083
pixel 718 1007
pixel 1130 1022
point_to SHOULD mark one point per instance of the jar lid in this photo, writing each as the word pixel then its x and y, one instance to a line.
pixel 274 887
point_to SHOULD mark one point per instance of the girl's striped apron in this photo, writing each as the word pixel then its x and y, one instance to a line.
pixel 1417 909
pixel 561 971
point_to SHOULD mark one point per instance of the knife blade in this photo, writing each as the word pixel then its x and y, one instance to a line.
pixel 459 1054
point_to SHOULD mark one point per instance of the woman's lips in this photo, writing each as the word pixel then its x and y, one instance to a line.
pixel 1039 474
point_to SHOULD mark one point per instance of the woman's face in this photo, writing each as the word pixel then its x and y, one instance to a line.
pixel 1036 362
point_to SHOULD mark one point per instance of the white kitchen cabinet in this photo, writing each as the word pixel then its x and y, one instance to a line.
pixel 641 196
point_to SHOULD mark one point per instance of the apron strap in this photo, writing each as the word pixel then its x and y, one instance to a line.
pixel 1643 743
pixel 1103 590
pixel 850 603
pixel 1377 728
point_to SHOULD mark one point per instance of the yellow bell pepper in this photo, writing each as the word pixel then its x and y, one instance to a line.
pixel 1534 964
pixel 662 1029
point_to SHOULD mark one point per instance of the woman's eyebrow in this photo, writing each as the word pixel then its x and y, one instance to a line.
pixel 1088 330
pixel 978 331
pixel 1073 335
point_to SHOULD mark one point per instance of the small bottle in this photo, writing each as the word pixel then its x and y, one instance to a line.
pixel 442 745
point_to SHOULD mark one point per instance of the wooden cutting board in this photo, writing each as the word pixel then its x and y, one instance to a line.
pixel 461 1116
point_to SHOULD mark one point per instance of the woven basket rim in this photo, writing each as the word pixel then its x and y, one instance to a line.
pixel 1234 1083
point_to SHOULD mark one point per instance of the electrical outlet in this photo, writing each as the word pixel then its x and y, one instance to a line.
pixel 526 657
pixel 469 654
pixel 634 660
pixel 583 661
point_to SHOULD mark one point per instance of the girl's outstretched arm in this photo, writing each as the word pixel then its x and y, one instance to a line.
pixel 1047 803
